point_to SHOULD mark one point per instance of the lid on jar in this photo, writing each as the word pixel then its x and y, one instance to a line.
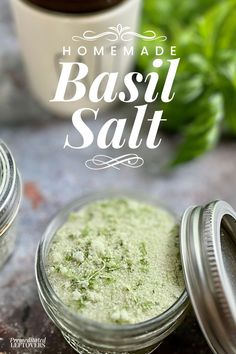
pixel 76 6
pixel 10 188
pixel 208 251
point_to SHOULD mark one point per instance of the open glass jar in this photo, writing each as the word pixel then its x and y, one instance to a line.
pixel 88 336
pixel 10 196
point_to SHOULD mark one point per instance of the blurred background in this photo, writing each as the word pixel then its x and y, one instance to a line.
pixel 198 146
pixel 205 103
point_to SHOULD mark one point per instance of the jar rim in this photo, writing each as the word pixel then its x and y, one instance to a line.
pixel 50 295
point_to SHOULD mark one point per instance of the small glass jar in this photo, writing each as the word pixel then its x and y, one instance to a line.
pixel 10 196
pixel 88 336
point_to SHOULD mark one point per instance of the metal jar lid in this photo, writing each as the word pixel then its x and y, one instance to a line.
pixel 208 251
pixel 10 188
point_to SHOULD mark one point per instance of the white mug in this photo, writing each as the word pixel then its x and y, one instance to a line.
pixel 44 34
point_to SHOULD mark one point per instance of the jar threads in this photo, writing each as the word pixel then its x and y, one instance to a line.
pixel 10 196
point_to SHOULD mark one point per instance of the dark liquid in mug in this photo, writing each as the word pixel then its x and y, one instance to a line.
pixel 76 6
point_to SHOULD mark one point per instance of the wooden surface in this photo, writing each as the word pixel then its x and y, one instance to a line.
pixel 53 176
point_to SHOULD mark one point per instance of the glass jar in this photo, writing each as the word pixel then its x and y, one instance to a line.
pixel 10 196
pixel 85 335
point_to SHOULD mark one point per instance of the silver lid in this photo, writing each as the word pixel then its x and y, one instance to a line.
pixel 208 251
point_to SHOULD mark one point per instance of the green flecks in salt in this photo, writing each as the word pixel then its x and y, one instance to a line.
pixel 117 261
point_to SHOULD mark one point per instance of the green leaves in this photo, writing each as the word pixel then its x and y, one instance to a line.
pixel 230 111
pixel 202 133
pixel 205 101
pixel 219 25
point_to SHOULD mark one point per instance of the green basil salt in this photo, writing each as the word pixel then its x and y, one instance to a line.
pixel 117 261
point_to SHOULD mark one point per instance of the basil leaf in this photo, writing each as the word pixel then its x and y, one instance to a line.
pixel 202 134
